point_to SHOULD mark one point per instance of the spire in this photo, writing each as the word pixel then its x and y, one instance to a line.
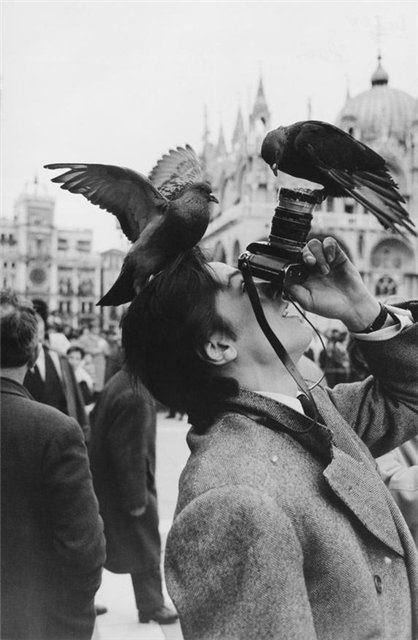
pixel 309 108
pixel 239 131
pixel 347 91
pixel 206 126
pixel 221 146
pixel 380 76
pixel 260 109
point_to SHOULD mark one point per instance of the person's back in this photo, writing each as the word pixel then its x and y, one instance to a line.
pixel 51 537
pixel 52 543
pixel 122 459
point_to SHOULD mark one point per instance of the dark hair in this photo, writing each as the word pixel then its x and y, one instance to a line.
pixel 75 348
pixel 41 309
pixel 19 330
pixel 164 328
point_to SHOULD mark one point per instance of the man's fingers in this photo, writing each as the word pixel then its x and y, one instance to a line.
pixel 330 249
pixel 333 251
pixel 313 253
pixel 323 254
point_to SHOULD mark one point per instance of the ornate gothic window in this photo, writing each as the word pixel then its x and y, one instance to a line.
pixel 386 286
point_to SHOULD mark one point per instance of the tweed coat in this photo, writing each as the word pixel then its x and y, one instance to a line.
pixel 122 459
pixel 284 529
pixel 52 543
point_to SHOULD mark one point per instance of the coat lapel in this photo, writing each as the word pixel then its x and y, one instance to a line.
pixel 350 470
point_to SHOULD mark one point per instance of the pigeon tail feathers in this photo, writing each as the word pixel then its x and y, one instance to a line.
pixel 121 292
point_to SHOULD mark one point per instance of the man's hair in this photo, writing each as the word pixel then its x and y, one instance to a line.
pixel 164 328
pixel 41 309
pixel 19 331
pixel 75 349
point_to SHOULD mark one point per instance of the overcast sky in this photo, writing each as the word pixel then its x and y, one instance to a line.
pixel 121 82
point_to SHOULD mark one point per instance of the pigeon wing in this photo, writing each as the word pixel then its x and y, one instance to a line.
pixel 175 170
pixel 130 196
pixel 357 169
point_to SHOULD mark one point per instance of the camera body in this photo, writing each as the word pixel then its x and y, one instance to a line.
pixel 279 260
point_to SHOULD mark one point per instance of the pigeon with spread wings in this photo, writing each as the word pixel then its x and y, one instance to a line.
pixel 319 152
pixel 163 215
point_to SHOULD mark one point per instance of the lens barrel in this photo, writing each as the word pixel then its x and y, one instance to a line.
pixel 280 259
pixel 292 219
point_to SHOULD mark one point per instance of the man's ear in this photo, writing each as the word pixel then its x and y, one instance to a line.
pixel 34 355
pixel 218 350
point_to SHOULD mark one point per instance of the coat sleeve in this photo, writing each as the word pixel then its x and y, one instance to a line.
pixel 383 408
pixel 131 425
pixel 74 397
pixel 234 569
pixel 73 509
pixel 401 478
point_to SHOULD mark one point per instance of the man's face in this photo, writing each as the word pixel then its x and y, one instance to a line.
pixel 234 306
pixel 41 329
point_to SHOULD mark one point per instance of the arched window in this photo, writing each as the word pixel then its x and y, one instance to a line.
pixel 392 255
pixel 386 286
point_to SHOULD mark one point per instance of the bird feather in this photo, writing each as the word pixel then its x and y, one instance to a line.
pixel 382 198
pixel 129 195
pixel 175 170
pixel 372 201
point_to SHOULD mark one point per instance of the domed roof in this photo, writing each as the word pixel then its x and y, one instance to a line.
pixel 379 111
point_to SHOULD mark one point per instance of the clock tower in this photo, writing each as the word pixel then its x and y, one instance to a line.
pixel 34 218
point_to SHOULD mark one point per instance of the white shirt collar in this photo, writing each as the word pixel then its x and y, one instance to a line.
pixel 290 401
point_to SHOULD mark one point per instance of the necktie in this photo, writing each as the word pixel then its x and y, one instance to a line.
pixel 36 373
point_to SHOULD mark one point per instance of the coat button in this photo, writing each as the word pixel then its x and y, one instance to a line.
pixel 387 560
pixel 274 459
pixel 378 583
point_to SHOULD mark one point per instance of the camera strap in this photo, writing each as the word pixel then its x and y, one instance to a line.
pixel 278 347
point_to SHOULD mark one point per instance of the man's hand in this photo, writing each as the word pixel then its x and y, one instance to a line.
pixel 335 288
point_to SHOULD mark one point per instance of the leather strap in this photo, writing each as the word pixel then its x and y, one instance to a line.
pixel 271 336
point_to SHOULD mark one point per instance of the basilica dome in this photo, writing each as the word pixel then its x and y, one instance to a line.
pixel 381 111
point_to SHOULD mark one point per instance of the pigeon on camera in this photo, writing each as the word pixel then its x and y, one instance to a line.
pixel 163 215
pixel 321 153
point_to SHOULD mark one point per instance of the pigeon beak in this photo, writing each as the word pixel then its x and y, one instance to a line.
pixel 213 198
pixel 273 167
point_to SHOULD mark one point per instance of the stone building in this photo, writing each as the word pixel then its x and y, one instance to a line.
pixel 384 118
pixel 56 265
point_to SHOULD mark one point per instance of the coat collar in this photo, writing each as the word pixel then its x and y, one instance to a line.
pixel 12 387
pixel 349 469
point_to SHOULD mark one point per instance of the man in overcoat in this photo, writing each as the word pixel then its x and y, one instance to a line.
pixel 284 529
pixel 122 458
pixel 52 543
pixel 51 380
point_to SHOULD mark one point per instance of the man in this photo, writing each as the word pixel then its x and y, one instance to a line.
pixel 52 543
pixel 283 528
pixel 122 457
pixel 52 381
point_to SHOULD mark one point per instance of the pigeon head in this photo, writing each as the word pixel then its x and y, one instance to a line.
pixel 202 189
pixel 272 148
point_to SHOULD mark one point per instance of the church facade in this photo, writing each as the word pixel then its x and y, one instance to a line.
pixel 384 118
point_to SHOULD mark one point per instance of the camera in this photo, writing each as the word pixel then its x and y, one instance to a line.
pixel 279 260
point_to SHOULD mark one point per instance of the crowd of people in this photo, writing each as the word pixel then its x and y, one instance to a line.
pixel 78 486
pixel 283 527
